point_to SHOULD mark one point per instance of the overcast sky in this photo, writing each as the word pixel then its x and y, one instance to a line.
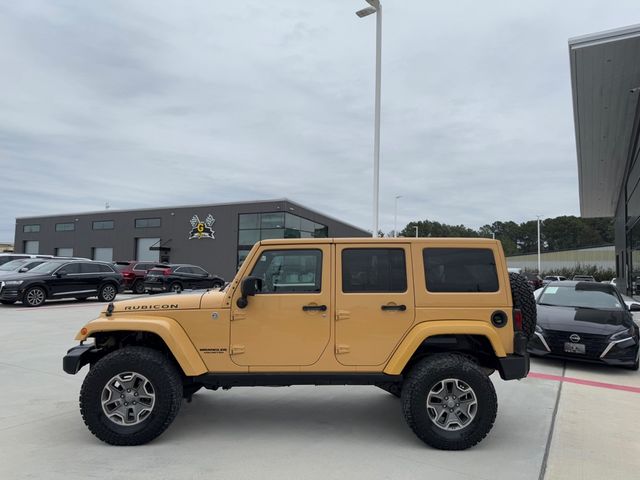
pixel 147 103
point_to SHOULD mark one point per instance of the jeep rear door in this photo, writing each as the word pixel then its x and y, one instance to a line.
pixel 374 301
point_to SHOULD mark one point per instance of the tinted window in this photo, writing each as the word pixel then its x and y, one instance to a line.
pixel 460 270
pixel 147 222
pixel 104 268
pixel 198 271
pixel 290 271
pixel 143 266
pixel 89 268
pixel 103 225
pixel 373 270
pixel 70 268
pixel 31 228
pixel 65 227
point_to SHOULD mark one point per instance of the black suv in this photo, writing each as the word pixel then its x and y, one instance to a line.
pixel 177 277
pixel 61 279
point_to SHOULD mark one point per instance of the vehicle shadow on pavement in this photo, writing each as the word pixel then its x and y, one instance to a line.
pixel 362 413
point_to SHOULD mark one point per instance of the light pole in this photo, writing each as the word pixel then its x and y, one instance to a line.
pixel 416 227
pixel 539 270
pixel 375 7
pixel 395 217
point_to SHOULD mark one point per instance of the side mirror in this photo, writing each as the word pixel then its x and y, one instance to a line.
pixel 248 288
pixel 634 307
pixel 61 274
pixel 23 269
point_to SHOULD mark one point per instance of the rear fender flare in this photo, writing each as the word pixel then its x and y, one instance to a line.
pixel 422 331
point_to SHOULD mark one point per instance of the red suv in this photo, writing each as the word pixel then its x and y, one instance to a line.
pixel 134 272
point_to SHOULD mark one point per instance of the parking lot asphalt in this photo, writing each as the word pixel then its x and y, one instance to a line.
pixel 581 428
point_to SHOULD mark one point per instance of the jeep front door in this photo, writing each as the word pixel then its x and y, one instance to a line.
pixel 374 301
pixel 287 323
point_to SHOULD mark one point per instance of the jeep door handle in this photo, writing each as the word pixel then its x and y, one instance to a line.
pixel 400 308
pixel 319 308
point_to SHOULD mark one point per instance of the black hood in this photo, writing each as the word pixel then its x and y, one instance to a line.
pixel 583 320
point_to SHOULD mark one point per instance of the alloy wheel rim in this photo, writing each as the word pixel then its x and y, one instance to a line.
pixel 35 296
pixel 177 288
pixel 451 404
pixel 108 292
pixel 128 399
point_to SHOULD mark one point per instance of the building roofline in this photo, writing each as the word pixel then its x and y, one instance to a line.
pixel 148 209
pixel 201 205
pixel 604 36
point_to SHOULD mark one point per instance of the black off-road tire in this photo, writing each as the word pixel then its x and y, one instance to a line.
pixel 394 388
pixel 108 292
pixel 138 287
pixel 166 382
pixel 524 300
pixel 424 376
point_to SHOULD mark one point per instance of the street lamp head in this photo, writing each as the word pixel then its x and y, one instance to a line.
pixel 373 3
pixel 366 12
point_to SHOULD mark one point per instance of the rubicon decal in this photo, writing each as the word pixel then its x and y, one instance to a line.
pixel 202 229
pixel 152 307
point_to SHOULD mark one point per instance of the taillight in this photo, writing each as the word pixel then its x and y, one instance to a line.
pixel 127 274
pixel 166 272
pixel 517 319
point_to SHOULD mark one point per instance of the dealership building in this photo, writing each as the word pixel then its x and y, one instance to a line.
pixel 215 236
pixel 605 78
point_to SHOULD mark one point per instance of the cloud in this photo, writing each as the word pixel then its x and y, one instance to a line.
pixel 158 103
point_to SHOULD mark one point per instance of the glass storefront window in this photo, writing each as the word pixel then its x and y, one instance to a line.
pixel 291 233
pixel 272 220
pixel 272 233
pixel 248 237
pixel 253 227
pixel 292 221
pixel 307 225
pixel 249 220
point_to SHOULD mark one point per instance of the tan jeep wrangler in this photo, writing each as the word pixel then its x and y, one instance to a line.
pixel 427 320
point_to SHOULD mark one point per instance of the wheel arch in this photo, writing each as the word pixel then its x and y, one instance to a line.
pixel 470 338
pixel 164 334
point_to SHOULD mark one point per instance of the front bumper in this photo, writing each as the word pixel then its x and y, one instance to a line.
pixel 78 356
pixel 622 353
pixel 10 293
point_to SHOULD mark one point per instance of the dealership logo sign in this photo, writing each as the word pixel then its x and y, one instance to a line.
pixel 201 229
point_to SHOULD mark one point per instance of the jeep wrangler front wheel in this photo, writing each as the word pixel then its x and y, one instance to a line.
pixel 130 396
pixel 449 402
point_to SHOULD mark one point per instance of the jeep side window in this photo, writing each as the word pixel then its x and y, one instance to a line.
pixel 290 271
pixel 460 270
pixel 373 270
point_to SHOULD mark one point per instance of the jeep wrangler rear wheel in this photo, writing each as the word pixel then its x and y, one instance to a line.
pixel 449 402
pixel 131 396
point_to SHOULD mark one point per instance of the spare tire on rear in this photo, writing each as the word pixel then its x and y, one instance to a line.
pixel 523 300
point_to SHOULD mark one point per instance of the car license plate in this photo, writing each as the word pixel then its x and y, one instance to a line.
pixel 574 347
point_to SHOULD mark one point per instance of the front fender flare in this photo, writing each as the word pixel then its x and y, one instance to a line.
pixel 422 331
pixel 168 329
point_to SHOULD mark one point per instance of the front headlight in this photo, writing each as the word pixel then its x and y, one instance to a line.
pixel 13 282
pixel 623 334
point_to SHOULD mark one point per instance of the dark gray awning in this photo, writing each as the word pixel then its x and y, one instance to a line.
pixel 605 79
